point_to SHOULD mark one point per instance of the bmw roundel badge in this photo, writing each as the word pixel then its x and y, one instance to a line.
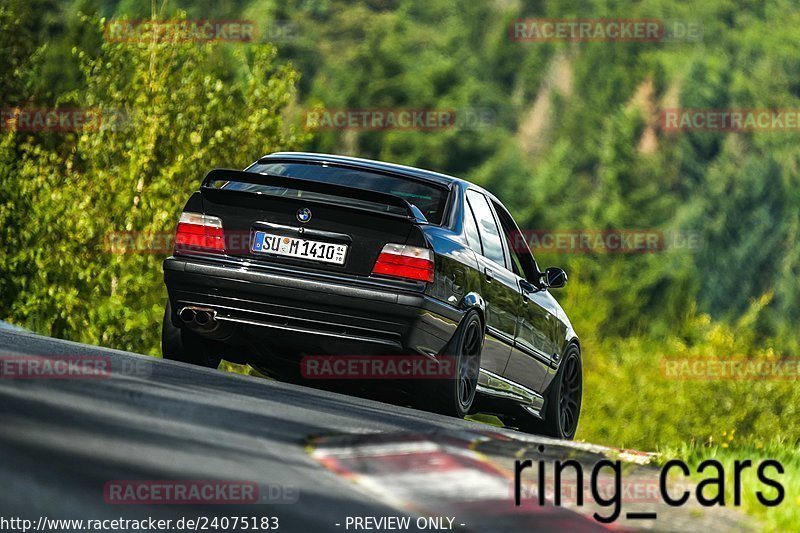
pixel 304 215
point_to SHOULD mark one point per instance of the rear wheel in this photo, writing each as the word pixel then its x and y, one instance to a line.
pixel 179 344
pixel 454 396
pixel 563 401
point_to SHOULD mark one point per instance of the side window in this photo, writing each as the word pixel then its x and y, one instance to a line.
pixel 515 262
pixel 487 227
pixel 522 259
pixel 471 229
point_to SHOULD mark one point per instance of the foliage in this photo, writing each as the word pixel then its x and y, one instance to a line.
pixel 168 119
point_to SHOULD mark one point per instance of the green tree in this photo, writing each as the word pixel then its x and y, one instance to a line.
pixel 168 119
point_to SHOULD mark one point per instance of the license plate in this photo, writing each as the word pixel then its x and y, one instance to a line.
pixel 325 252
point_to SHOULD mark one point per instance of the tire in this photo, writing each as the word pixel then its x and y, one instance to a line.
pixel 454 396
pixel 179 344
pixel 562 403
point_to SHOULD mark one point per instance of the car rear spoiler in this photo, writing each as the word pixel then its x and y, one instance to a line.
pixel 300 184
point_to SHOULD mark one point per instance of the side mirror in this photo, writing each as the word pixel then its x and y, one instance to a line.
pixel 554 278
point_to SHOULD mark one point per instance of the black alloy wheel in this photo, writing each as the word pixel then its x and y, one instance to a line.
pixel 469 364
pixel 570 396
pixel 454 394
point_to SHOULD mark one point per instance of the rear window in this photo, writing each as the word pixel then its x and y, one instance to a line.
pixel 429 199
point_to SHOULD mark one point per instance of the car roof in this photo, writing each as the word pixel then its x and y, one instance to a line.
pixel 368 164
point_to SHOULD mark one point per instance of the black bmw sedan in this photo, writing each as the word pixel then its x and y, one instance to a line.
pixel 304 256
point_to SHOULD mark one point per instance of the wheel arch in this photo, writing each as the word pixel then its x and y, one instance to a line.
pixel 577 342
pixel 474 301
pixel 471 302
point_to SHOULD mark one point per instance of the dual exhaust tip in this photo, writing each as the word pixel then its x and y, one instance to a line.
pixel 198 316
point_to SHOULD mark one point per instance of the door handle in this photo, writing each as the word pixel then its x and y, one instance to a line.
pixel 489 274
pixel 526 287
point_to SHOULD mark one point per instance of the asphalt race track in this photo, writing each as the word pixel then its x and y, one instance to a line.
pixel 329 457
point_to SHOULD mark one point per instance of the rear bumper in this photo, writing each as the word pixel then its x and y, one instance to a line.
pixel 294 309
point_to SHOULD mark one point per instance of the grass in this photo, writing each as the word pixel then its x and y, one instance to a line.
pixel 246 370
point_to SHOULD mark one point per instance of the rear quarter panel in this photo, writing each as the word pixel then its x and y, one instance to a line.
pixel 456 268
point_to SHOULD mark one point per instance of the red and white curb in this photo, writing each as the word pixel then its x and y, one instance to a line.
pixel 439 476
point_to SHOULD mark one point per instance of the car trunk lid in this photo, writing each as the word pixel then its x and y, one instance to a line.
pixel 318 225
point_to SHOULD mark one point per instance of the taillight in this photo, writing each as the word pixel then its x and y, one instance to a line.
pixel 404 261
pixel 200 232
